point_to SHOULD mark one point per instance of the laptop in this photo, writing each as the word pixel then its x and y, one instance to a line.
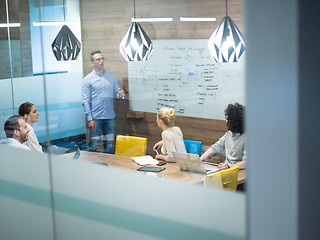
pixel 192 163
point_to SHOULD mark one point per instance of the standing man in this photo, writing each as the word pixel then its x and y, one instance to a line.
pixel 16 131
pixel 98 89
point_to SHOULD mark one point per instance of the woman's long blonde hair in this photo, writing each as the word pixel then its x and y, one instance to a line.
pixel 167 115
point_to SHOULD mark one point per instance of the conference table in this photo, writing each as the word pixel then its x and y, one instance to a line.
pixel 172 170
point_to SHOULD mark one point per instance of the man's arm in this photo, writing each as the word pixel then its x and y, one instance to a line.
pixel 86 96
pixel 242 165
pixel 207 154
pixel 120 93
pixel 216 148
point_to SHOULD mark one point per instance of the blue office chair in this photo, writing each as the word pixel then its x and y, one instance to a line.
pixel 194 147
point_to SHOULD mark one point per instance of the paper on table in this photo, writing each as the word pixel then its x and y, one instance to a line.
pixel 145 160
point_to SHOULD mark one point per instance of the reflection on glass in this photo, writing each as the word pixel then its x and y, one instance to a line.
pixel 65 114
pixel 140 200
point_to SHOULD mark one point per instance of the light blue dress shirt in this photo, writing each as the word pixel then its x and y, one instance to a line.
pixel 97 95
pixel 14 143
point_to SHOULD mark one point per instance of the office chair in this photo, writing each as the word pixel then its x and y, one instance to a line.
pixel 226 179
pixel 194 147
pixel 131 146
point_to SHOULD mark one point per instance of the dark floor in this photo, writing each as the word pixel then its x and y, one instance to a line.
pixel 66 145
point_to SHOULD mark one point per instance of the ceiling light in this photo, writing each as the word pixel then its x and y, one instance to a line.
pixel 65 46
pixel 135 45
pixel 5 25
pixel 226 44
pixel 151 19
pixel 38 24
pixel 184 19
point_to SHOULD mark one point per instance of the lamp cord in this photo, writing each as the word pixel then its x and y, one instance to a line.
pixel 10 55
pixel 227 7
pixel 134 8
pixel 64 10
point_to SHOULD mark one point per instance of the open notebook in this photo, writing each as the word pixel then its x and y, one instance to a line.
pixel 192 163
pixel 145 160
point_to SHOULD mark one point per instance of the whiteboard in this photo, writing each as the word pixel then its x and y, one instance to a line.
pixel 182 75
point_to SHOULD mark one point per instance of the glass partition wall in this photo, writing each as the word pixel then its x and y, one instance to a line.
pixel 31 73
pixel 50 195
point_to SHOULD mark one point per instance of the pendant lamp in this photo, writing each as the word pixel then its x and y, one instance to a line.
pixel 226 44
pixel 136 45
pixel 66 46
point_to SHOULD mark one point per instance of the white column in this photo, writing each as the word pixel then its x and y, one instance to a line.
pixel 283 99
pixel 272 74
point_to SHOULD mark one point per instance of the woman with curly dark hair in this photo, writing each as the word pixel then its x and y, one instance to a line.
pixel 233 141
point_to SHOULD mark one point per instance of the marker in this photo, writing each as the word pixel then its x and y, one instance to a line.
pixel 119 94
pixel 157 152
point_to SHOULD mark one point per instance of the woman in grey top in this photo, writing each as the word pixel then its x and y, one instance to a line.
pixel 172 137
pixel 233 141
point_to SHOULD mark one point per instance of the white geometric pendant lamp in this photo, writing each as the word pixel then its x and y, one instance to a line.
pixel 136 45
pixel 65 46
pixel 226 44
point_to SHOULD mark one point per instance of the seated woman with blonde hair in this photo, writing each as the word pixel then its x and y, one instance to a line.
pixel 172 137
pixel 30 113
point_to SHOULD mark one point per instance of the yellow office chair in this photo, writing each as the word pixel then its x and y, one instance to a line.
pixel 131 146
pixel 226 179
